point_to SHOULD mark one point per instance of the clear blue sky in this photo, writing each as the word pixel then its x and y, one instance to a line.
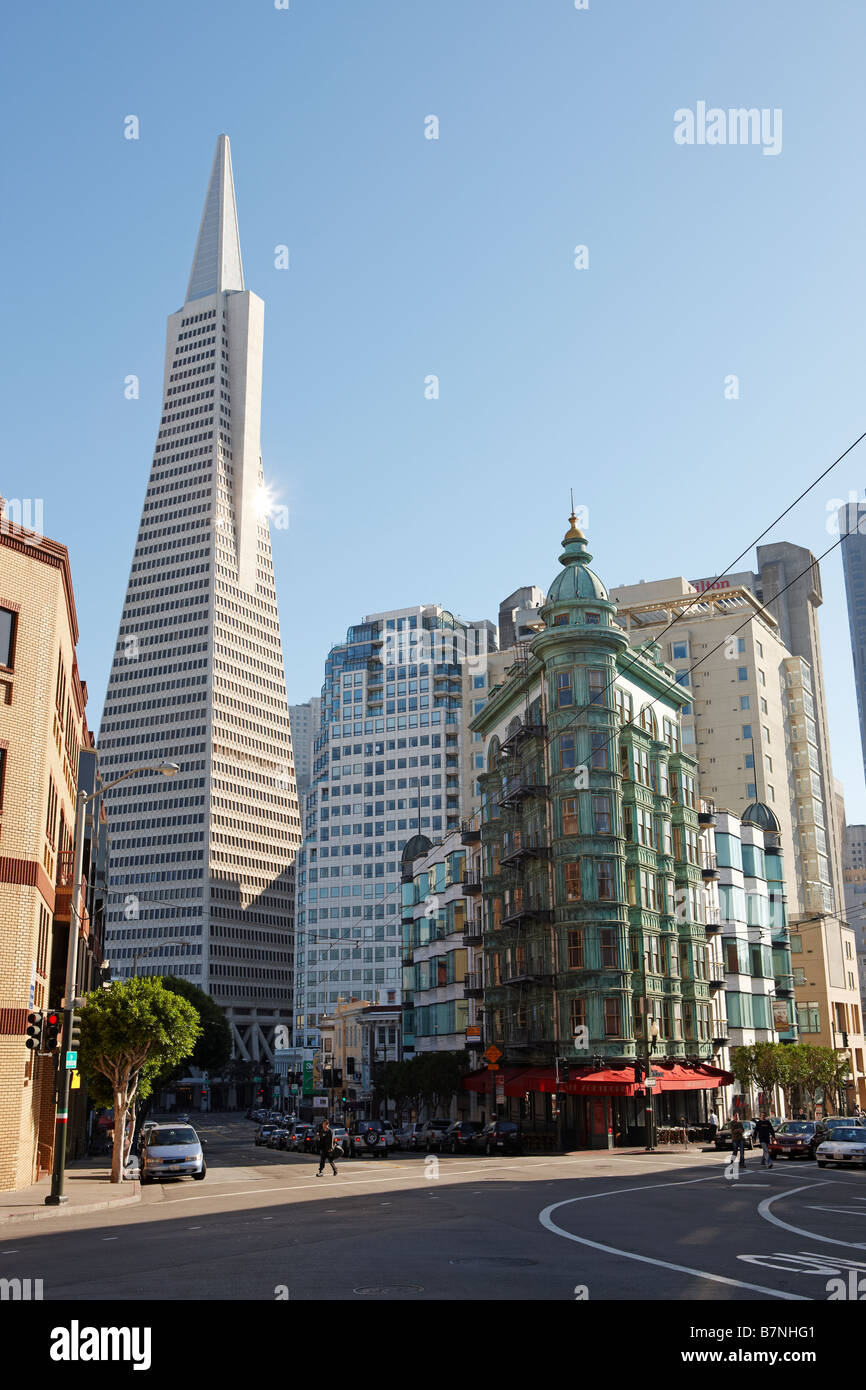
pixel 411 256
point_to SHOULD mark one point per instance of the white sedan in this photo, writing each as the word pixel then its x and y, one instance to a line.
pixel 847 1146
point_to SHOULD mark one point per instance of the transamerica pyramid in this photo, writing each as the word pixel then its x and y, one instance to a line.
pixel 202 865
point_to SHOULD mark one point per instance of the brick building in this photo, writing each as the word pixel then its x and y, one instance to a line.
pixel 43 729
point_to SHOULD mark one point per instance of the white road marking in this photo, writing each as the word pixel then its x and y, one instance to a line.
pixel 545 1217
pixel 846 1211
pixel 764 1211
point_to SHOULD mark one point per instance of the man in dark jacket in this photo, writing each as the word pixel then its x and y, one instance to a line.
pixel 764 1132
pixel 326 1146
pixel 738 1142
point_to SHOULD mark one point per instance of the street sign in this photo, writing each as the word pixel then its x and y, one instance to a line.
pixel 71 1061
pixel 493 1053
pixel 493 1066
pixel 76 1081
pixel 308 1079
pixel 500 1090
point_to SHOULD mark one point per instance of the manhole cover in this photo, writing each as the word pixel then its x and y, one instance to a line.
pixel 391 1288
pixel 505 1260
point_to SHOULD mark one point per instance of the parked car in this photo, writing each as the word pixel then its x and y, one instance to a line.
pixel 409 1135
pixel 845 1147
pixel 302 1138
pixel 171 1150
pixel 798 1139
pixel 459 1137
pixel 341 1138
pixel 723 1137
pixel 263 1134
pixel 498 1137
pixel 370 1138
pixel 842 1122
pixel 275 1136
pixel 432 1133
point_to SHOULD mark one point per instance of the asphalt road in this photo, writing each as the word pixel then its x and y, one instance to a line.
pixel 600 1226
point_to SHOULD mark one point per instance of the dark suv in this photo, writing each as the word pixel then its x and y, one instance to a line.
pixel 459 1137
pixel 498 1137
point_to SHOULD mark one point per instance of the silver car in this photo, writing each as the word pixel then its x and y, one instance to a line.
pixel 171 1151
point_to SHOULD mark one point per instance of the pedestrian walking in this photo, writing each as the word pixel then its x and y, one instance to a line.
pixel 765 1132
pixel 738 1142
pixel 714 1125
pixel 326 1149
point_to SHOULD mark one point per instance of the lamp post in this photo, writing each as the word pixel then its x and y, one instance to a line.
pixel 652 1033
pixel 57 1196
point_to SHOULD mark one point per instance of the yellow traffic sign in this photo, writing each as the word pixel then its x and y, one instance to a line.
pixel 493 1066
pixel 493 1053
pixel 76 1081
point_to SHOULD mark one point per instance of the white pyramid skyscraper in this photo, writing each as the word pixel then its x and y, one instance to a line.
pixel 202 865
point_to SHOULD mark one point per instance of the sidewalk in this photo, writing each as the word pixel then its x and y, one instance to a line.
pixel 86 1185
pixel 691 1151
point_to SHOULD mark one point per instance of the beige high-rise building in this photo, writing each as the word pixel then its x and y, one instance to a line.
pixel 42 730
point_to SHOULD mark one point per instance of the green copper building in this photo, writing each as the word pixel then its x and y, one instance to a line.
pixel 595 948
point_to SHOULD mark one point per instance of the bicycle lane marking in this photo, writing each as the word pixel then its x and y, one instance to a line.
pixel 546 1219
pixel 767 1215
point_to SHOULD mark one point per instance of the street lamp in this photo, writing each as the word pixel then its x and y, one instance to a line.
pixel 57 1196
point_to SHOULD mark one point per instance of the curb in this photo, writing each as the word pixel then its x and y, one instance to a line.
pixel 70 1208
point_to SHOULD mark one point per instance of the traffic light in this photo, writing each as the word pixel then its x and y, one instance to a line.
pixel 75 1032
pixel 35 1025
pixel 327 1078
pixel 53 1029
pixel 350 1065
pixel 564 1072
pixel 338 1076
pixel 638 1073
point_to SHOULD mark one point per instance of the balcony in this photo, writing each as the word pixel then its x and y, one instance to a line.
pixel 706 819
pixel 471 883
pixel 470 834
pixel 522 853
pixel 473 931
pixel 527 914
pixel 710 868
pixel 519 789
pixel 520 735
pixel 712 926
pixel 473 986
pixel 784 986
pixel 720 1039
pixel 532 973
pixel 717 977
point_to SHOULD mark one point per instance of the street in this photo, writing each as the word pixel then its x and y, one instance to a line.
pixel 561 1227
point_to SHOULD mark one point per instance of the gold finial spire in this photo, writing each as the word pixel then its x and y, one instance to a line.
pixel 574 533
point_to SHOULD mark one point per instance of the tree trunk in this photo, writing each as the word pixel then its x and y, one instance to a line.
pixel 118 1152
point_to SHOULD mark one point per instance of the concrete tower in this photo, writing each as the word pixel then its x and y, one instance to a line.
pixel 202 883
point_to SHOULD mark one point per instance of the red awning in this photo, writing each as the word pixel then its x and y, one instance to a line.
pixel 676 1077
pixel 606 1081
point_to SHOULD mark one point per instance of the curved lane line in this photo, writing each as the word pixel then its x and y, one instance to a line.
pixel 764 1211
pixel 545 1217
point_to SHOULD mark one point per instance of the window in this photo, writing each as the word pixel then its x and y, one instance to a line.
pixel 560 620
pixel 601 815
pixel 569 815
pixel 683 678
pixel 742 673
pixel 747 732
pixel 809 1017
pixel 609 953
pixel 572 881
pixel 593 619
pixel 744 702
pixel 751 791
pixel 750 760
pixel 575 950
pixel 564 691
pixel 598 750
pixel 604 872
pixel 759 649
pixel 679 651
pixel 762 679
pixel 763 705
pixel 8 628
pixel 577 1010
pixel 567 753
pixel 611 1018
pixel 741 644
pixel 596 684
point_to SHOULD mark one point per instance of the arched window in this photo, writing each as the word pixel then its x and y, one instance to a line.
pixel 648 721
pixel 493 755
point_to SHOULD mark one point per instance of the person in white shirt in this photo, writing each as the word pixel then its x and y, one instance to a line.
pixel 714 1125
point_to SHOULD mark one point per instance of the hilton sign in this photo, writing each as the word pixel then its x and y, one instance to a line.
pixel 703 584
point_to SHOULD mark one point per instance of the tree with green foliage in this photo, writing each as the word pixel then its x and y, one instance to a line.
pixel 130 1033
